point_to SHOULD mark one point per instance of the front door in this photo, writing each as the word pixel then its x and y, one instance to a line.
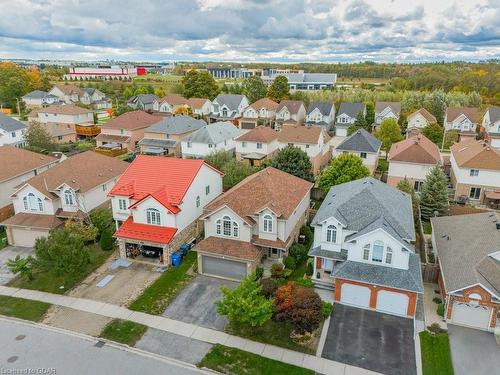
pixel 328 265
pixel 274 253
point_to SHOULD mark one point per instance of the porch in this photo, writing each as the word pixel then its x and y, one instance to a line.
pixel 324 264
pixel 269 257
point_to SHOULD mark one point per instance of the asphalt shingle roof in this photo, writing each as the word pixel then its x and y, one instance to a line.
pixel 494 114
pixel 176 125
pixel 232 101
pixel 351 109
pixel 360 141
pixel 10 124
pixel 38 94
pixel 324 107
pixel 214 133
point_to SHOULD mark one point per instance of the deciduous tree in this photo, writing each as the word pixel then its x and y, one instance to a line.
pixel 343 168
pixel 294 161
pixel 279 89
pixel 199 85
pixel 37 137
pixel 254 88
pixel 388 133
pixel 435 133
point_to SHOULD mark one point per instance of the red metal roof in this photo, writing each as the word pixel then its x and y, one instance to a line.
pixel 145 232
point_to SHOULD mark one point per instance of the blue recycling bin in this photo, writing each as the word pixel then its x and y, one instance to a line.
pixel 184 249
pixel 176 259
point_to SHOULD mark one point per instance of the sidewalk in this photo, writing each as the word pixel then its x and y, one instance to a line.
pixel 318 364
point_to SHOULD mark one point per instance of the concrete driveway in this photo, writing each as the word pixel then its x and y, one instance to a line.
pixel 371 340
pixel 473 351
pixel 195 304
pixel 10 252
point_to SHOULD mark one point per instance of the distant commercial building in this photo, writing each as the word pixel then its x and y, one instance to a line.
pixel 305 81
pixel 234 72
pixel 104 72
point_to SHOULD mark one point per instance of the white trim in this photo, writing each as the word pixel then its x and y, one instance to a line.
pixel 471 286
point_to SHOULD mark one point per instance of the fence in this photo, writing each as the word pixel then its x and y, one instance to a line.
pixel 317 194
pixel 430 272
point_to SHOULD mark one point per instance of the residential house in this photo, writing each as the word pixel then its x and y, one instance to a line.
pixel 413 159
pixel 201 107
pixel 39 98
pixel 170 103
pixel 142 102
pixel 463 120
pixel 164 137
pixel 475 171
pixel 219 136
pixel 61 133
pixel 95 98
pixel 321 114
pixel 313 140
pixel 125 131
pixel 252 221
pixel 68 190
pixel 11 131
pixel 363 235
pixel 468 254
pixel 418 120
pixel 257 145
pixel 67 93
pixel 157 202
pixel 346 116
pixel 289 112
pixel 80 118
pixel 385 110
pixel 18 166
pixel 491 125
pixel 363 144
pixel 228 107
pixel 262 112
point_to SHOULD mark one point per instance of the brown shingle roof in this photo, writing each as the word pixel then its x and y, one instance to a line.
pixel 57 129
pixel 264 103
pixel 196 103
pixel 64 110
pixel 417 149
pixel 427 115
pixel 300 134
pixel 395 106
pixel 131 120
pixel 277 190
pixel 453 112
pixel 174 99
pixel 33 220
pixel 70 89
pixel 293 106
pixel 82 172
pixel 476 154
pixel 260 134
pixel 230 248
pixel 16 161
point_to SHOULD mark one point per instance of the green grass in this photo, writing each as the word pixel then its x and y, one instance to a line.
pixel 155 299
pixel 123 331
pixel 269 333
pixel 427 227
pixel 51 283
pixel 23 308
pixel 238 362
pixel 436 356
pixel 3 235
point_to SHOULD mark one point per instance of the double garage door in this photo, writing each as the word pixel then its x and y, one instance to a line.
pixel 25 237
pixel 225 268
pixel 387 301
pixel 471 315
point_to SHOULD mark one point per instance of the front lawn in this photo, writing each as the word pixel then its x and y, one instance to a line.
pixel 52 283
pixel 23 308
pixel 238 362
pixel 123 331
pixel 155 299
pixel 436 355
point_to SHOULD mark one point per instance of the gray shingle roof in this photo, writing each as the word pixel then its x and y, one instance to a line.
pixel 176 125
pixel 38 94
pixel 10 124
pixel 395 107
pixel 335 255
pixel 324 107
pixel 494 114
pixel 462 244
pixel 361 141
pixel 350 109
pixel 232 101
pixel 410 279
pixel 214 133
pixel 368 204
pixel 167 143
pixel 143 98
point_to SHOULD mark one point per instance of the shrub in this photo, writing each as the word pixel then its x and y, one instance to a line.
pixel 309 268
pixel 106 240
pixel 268 287
pixel 436 328
pixel 327 309
pixel 305 282
pixel 299 252
pixel 102 219
pixel 195 266
pixel 88 233
pixel 289 262
pixel 307 231
pixel 277 270
pixel 437 300
pixel 440 309
pixel 259 272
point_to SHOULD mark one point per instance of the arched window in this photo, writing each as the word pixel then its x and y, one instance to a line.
pixel 378 251
pixel 268 223
pixel 153 216
pixel 198 201
pixel 366 252
pixel 388 255
pixel 224 112
pixel 68 197
pixel 331 233
pixel 32 203
pixel 227 227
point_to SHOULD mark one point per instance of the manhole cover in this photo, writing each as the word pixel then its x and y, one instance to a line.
pixel 20 337
pixel 100 344
pixel 13 359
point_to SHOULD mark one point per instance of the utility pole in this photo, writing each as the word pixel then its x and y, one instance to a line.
pixel 18 108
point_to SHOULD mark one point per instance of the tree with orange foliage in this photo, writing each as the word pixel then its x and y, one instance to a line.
pixel 184 110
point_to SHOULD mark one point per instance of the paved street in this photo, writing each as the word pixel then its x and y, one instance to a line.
pixel 10 252
pixel 24 346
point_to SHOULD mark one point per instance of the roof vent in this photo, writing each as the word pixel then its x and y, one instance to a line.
pixel 73 181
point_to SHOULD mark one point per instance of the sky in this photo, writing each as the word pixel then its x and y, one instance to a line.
pixel 251 30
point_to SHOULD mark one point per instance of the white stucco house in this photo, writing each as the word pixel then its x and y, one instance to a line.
pixel 228 107
pixel 417 121
pixel 363 144
pixel 321 114
pixel 11 131
pixel 39 98
pixel 346 116
pixel 491 125
pixel 463 120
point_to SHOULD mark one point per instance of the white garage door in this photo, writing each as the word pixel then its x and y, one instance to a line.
pixel 228 269
pixel 392 302
pixel 25 237
pixel 471 315
pixel 355 295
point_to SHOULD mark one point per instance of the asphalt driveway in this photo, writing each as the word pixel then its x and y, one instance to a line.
pixel 371 340
pixel 10 252
pixel 195 304
pixel 473 351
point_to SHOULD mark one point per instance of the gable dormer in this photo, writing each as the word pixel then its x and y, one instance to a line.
pixel 151 211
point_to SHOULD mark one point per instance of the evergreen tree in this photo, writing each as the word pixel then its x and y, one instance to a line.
pixel 434 194
pixel 370 113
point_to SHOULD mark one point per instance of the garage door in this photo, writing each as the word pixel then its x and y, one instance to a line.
pixel 471 315
pixel 25 237
pixel 355 295
pixel 225 268
pixel 392 302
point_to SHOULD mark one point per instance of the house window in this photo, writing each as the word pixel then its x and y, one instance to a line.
pixel 68 197
pixel 331 233
pixel 388 256
pixel 218 226
pixel 122 131
pixel 243 144
pixel 227 226
pixel 362 155
pixel 122 204
pixel 197 201
pixel 259 145
pixel 189 144
pixel 378 251
pixel 25 202
pixel 418 185
pixel 153 216
pixel 210 145
pixel 475 193
pixel 307 146
pixel 59 137
pixel 474 172
pixel 366 252
pixel 207 189
pixel 13 134
pixel 224 112
pixel 104 187
pixel 268 223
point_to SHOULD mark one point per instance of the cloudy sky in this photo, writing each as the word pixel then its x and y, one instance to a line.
pixel 251 30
